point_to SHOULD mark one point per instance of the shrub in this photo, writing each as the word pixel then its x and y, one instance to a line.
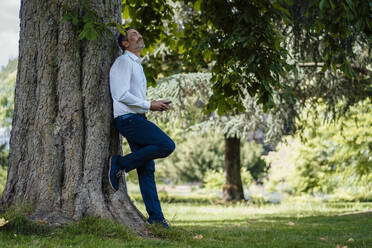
pixel 327 158
pixel 3 167
pixel 214 180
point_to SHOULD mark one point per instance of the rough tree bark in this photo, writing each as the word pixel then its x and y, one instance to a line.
pixel 62 131
pixel 233 189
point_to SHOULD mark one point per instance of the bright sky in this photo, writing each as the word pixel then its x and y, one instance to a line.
pixel 9 30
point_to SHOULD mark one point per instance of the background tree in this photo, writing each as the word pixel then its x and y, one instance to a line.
pixel 191 163
pixel 191 90
pixel 62 131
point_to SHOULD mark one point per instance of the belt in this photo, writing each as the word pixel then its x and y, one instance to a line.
pixel 123 117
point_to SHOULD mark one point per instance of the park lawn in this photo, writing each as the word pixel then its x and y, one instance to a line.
pixel 291 224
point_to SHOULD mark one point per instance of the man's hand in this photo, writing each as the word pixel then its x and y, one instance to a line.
pixel 159 105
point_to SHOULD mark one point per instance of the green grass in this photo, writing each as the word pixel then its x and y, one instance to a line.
pixel 291 224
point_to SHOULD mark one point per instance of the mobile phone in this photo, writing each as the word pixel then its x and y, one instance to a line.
pixel 168 102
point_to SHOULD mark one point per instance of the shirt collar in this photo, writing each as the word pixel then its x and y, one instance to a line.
pixel 134 57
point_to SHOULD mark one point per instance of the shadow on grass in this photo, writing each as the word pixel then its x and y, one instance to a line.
pixel 306 219
pixel 20 223
pixel 312 231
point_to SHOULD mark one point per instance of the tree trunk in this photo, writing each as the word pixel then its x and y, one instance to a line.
pixel 62 132
pixel 233 189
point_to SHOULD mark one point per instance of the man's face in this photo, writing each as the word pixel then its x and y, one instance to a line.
pixel 135 41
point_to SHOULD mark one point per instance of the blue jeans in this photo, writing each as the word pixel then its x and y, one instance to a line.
pixel 147 142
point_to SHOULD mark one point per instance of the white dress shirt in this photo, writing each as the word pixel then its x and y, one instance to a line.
pixel 128 85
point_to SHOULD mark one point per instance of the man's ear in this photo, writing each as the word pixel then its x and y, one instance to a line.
pixel 125 44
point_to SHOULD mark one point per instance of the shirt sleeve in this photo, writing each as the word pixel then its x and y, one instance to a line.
pixel 120 75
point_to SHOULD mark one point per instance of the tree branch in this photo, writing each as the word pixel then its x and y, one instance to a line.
pixel 321 64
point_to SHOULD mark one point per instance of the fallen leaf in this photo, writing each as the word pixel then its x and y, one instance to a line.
pixel 236 224
pixel 3 222
pixel 350 240
pixel 148 231
pixel 323 238
pixel 345 246
pixel 198 236
pixel 290 223
pixel 43 221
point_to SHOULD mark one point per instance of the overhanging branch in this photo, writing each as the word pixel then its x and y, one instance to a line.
pixel 321 64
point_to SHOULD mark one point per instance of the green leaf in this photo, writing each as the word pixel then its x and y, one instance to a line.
pixel 332 4
pixel 109 34
pixel 351 71
pixel 87 18
pixel 111 24
pixel 75 20
pixel 322 4
pixel 221 109
pixel 82 34
pixel 251 59
pixel 197 5
pixel 125 12
pixel 350 3
pixel 120 28
pixel 91 34
pixel 66 17
pixel 333 66
pixel 66 8
pixel 347 70
pixel 281 9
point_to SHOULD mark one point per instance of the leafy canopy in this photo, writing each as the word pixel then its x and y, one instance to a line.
pixel 244 43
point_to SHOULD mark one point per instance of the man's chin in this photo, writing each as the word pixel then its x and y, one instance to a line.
pixel 141 45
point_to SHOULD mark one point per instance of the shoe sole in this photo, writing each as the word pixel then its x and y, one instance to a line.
pixel 109 170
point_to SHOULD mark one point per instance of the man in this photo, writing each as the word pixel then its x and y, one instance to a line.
pixel 147 141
